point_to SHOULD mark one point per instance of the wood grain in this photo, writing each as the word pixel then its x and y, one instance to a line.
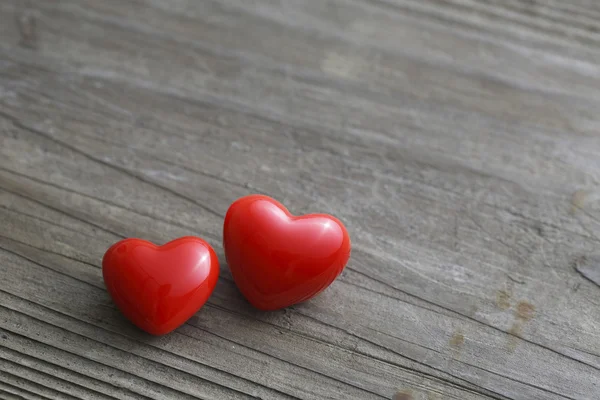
pixel 457 140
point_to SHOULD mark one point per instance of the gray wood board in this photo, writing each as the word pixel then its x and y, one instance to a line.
pixel 457 140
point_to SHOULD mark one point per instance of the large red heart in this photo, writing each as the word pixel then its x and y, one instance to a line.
pixel 158 288
pixel 278 259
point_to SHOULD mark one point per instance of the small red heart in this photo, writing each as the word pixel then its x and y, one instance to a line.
pixel 158 288
pixel 278 259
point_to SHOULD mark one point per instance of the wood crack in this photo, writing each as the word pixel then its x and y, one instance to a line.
pixel 70 371
pixel 83 388
pixel 281 359
pixel 80 219
pixel 473 319
pixel 51 252
pixel 17 389
pixel 72 353
pixel 47 221
pixel 129 338
pixel 110 203
pixel 35 384
pixel 16 122
pixel 546 390
pixel 51 269
pixel 466 385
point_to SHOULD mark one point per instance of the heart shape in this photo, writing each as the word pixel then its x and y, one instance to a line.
pixel 158 288
pixel 278 259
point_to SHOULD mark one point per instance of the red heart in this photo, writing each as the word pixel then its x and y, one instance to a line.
pixel 278 259
pixel 158 288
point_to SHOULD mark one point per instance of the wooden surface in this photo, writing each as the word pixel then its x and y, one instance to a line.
pixel 458 140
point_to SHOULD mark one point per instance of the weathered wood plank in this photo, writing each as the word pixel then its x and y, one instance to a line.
pixel 455 138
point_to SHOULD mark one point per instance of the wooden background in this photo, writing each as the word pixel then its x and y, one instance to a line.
pixel 459 140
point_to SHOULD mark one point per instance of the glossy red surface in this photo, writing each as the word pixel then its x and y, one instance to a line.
pixel 158 288
pixel 278 259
